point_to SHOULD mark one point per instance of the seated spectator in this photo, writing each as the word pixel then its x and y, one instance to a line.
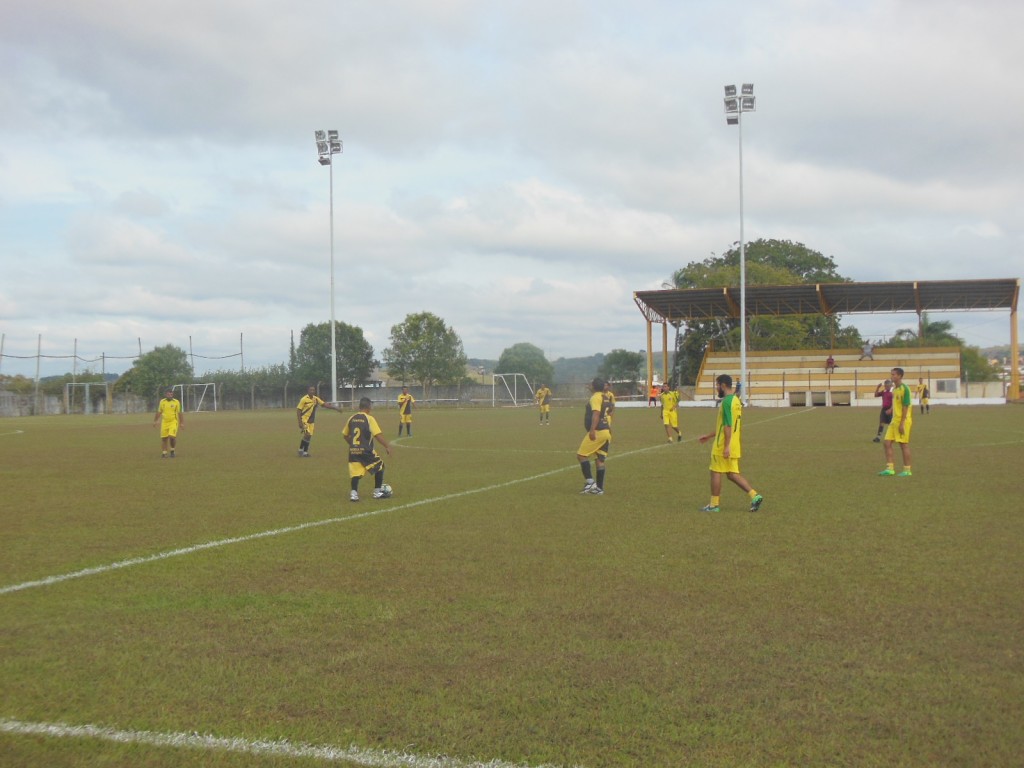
pixel 830 365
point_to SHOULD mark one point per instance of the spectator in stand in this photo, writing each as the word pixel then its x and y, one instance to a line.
pixel 867 352
pixel 830 364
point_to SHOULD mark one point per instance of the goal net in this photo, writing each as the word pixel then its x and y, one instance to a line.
pixel 511 389
pixel 197 397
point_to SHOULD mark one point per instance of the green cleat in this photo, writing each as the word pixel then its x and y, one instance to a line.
pixel 709 508
pixel 756 502
pixel 889 472
pixel 905 473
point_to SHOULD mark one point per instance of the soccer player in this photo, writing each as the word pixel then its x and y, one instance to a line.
pixel 884 391
pixel 921 390
pixel 360 431
pixel 597 441
pixel 899 428
pixel 305 411
pixel 609 395
pixel 726 450
pixel 405 401
pixel 543 398
pixel 171 418
pixel 670 412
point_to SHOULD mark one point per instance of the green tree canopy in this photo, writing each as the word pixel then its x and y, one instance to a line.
pixel 312 358
pixel 165 366
pixel 527 359
pixel 424 349
pixel 768 262
pixel 622 365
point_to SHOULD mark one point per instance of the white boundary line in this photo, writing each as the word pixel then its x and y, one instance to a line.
pixel 372 758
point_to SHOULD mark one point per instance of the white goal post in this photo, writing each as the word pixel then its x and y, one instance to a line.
pixel 197 397
pixel 514 387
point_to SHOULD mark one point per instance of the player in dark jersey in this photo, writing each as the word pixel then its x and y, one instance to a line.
pixel 597 441
pixel 360 431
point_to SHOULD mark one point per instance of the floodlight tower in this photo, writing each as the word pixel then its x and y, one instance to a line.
pixel 735 106
pixel 327 145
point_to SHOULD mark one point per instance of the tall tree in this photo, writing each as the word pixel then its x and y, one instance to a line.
pixel 424 349
pixel 312 358
pixel 527 359
pixel 154 371
pixel 622 365
pixel 768 262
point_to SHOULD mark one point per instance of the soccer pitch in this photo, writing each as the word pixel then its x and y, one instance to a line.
pixel 231 607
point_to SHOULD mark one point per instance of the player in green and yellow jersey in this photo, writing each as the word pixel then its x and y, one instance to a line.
pixel 899 427
pixel 728 448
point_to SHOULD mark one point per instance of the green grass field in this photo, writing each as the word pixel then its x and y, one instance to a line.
pixel 233 608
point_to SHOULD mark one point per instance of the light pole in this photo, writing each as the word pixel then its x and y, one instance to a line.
pixel 735 106
pixel 327 145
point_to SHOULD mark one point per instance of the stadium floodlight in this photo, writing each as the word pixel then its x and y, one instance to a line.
pixel 734 109
pixel 327 145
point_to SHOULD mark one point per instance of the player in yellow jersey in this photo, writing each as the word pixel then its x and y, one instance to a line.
pixel 923 396
pixel 405 401
pixel 727 448
pixel 899 427
pixel 670 412
pixel 597 441
pixel 360 431
pixel 305 411
pixel 543 398
pixel 171 418
pixel 609 395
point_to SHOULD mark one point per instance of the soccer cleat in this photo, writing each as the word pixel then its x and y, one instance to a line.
pixel 595 490
pixel 877 440
pixel 300 453
pixel 587 486
pixel 887 472
pixel 709 508
pixel 756 502
pixel 378 494
pixel 905 473
pixel 171 456
pixel 679 438
pixel 305 454
pixel 353 496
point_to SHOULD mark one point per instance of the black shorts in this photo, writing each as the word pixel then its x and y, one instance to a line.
pixel 886 417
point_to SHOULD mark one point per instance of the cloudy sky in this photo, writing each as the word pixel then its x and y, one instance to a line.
pixel 517 168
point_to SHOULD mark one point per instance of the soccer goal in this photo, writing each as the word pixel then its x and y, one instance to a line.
pixel 197 397
pixel 511 389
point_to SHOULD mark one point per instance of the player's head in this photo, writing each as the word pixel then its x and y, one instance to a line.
pixel 405 390
pixel 897 375
pixel 597 385
pixel 168 393
pixel 311 390
pixel 724 382
pixel 888 383
pixel 365 403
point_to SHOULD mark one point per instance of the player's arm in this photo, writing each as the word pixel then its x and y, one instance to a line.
pixel 156 416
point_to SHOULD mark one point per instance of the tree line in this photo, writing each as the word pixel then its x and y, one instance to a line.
pixel 424 349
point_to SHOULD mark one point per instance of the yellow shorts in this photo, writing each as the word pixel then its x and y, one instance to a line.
pixel 545 408
pixel 599 446
pixel 406 418
pixel 893 432
pixel 723 465
pixel 670 419
pixel 308 428
pixel 364 464
pixel 169 428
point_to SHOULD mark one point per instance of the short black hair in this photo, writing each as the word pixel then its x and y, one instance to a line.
pixel 724 379
pixel 365 402
pixel 597 384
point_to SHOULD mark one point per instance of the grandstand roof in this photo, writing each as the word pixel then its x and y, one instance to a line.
pixel 679 305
